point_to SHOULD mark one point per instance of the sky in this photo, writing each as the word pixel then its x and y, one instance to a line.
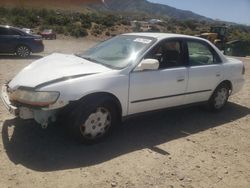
pixel 237 11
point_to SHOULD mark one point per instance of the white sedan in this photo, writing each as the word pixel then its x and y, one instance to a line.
pixel 126 75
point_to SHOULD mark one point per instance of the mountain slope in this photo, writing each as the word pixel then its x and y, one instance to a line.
pixel 147 7
pixel 131 6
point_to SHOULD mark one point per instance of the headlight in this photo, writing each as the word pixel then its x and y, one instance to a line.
pixel 34 98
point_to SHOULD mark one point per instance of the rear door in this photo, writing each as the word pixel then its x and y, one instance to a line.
pixel 3 39
pixel 9 40
pixel 204 72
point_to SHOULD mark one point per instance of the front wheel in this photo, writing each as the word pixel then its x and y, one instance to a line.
pixel 93 122
pixel 219 98
pixel 23 51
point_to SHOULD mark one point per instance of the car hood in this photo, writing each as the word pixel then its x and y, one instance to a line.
pixel 54 68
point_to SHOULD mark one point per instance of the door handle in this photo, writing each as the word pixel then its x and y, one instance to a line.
pixel 218 74
pixel 180 79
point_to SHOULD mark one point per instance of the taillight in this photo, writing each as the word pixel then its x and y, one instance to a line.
pixel 243 70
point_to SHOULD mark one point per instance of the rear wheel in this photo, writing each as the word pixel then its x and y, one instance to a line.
pixel 94 120
pixel 219 98
pixel 23 51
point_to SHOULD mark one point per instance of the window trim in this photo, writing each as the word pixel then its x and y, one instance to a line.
pixel 17 32
pixel 210 48
pixel 182 52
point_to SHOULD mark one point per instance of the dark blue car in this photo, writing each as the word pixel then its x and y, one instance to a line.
pixel 17 41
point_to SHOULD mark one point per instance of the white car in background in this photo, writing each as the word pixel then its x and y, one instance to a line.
pixel 27 30
pixel 126 75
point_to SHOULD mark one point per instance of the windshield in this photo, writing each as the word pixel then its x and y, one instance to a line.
pixel 119 51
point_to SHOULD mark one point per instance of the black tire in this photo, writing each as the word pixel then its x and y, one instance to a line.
pixel 86 111
pixel 219 98
pixel 23 51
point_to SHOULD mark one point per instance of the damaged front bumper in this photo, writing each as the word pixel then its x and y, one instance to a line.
pixel 43 117
pixel 6 101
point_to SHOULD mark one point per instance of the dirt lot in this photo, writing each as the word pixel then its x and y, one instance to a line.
pixel 178 148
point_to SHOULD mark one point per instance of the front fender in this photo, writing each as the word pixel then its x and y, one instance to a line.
pixel 76 89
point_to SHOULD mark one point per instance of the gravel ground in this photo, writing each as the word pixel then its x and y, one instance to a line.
pixel 174 148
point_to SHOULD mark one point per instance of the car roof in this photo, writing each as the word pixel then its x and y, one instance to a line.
pixel 161 36
pixel 5 26
pixel 11 27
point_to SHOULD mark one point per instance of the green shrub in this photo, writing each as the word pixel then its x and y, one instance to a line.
pixel 97 30
pixel 137 27
pixel 154 28
pixel 78 31
pixel 60 29
pixel 126 22
pixel 107 33
pixel 86 21
pixel 109 20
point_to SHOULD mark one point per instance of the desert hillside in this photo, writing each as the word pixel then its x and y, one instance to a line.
pixel 65 4
pixel 131 6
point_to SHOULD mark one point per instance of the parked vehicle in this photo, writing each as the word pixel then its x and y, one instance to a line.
pixel 27 30
pixel 238 48
pixel 218 36
pixel 126 75
pixel 48 34
pixel 17 41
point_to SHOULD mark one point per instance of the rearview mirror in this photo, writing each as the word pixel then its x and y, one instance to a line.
pixel 148 64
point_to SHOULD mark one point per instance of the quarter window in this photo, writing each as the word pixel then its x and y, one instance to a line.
pixel 201 54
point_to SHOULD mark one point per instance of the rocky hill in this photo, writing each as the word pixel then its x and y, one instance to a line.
pixel 131 6
pixel 144 6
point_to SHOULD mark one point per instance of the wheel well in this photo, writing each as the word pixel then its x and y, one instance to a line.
pixel 228 83
pixel 22 45
pixel 107 96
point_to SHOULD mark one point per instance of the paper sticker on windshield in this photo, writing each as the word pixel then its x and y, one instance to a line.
pixel 144 41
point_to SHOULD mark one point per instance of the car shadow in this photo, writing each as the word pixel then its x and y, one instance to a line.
pixel 50 150
pixel 9 56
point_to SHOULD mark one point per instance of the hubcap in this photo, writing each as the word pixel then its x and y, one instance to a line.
pixel 23 51
pixel 221 98
pixel 96 124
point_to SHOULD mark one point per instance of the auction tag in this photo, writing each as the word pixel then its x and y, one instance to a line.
pixel 144 41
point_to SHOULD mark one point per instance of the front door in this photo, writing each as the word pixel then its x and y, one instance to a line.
pixel 157 89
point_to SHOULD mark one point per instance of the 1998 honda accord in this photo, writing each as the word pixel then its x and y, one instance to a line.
pixel 128 74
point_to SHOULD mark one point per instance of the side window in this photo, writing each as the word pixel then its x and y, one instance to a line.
pixel 168 53
pixel 201 54
pixel 13 32
pixel 3 31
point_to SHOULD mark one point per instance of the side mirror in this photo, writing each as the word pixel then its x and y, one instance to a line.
pixel 148 64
